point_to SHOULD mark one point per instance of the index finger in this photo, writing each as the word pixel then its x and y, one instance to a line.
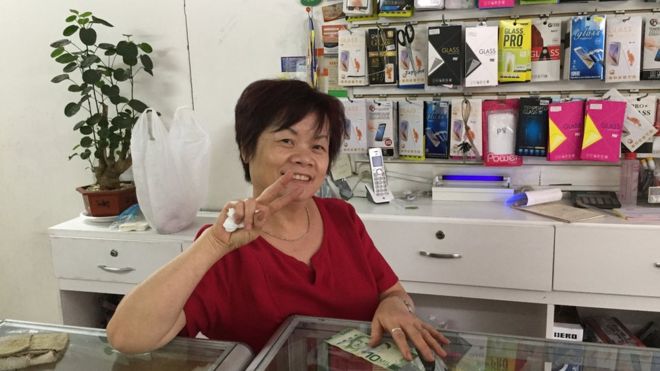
pixel 273 191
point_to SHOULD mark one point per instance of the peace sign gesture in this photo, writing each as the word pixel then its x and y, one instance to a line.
pixel 253 213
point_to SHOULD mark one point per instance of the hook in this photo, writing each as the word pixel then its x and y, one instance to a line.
pixel 349 99
pixel 642 96
pixel 545 17
pixel 482 22
pixel 377 102
pixel 444 21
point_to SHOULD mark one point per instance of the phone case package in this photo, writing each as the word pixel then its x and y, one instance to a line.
pixel 355 133
pixel 587 44
pixel 636 128
pixel 445 55
pixel 515 50
pixel 481 56
pixel 381 56
pixel 459 4
pixel 603 124
pixel 532 131
pixel 465 138
pixel 352 58
pixel 330 38
pixel 429 4
pixel 499 121
pixel 411 128
pixel 412 61
pixel 623 50
pixel 546 46
pixel 651 61
pixel 380 126
pixel 491 4
pixel 333 11
pixel 358 7
pixel 436 129
pixel 565 125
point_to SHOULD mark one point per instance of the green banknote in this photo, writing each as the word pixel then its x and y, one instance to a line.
pixel 385 355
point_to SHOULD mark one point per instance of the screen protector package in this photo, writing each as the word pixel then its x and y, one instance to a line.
pixel 381 56
pixel 603 123
pixel 411 130
pixel 352 57
pixel 651 62
pixel 481 56
pixel 380 125
pixel 412 61
pixel 623 51
pixel 637 130
pixel 565 122
pixel 515 50
pixel 436 129
pixel 355 137
pixel 532 133
pixel 500 119
pixel 445 55
pixel 587 45
pixel 546 44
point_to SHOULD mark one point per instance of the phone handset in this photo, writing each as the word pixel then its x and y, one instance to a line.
pixel 380 192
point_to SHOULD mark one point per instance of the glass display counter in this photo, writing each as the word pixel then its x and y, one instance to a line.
pixel 89 349
pixel 299 345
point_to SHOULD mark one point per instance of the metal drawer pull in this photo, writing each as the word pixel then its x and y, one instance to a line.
pixel 116 270
pixel 440 256
pixel 657 265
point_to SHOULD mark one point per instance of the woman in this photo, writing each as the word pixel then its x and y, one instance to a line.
pixel 296 254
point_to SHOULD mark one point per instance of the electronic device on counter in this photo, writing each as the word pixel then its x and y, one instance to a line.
pixel 462 187
pixel 599 199
pixel 380 191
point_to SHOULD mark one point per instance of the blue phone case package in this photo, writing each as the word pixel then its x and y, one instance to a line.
pixel 436 129
pixel 587 47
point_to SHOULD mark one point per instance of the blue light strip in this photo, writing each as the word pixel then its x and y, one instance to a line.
pixel 478 178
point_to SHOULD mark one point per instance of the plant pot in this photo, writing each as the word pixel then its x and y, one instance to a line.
pixel 108 203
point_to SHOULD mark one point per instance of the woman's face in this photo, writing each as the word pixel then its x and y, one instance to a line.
pixel 299 149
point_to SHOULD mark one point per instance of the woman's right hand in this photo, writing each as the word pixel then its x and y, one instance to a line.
pixel 254 213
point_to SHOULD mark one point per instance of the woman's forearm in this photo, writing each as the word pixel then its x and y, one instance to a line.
pixel 152 313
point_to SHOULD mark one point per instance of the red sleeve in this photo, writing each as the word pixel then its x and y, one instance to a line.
pixel 196 308
pixel 381 270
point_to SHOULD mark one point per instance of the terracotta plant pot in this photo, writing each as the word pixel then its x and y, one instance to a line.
pixel 108 203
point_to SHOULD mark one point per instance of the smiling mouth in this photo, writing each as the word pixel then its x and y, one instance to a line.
pixel 301 177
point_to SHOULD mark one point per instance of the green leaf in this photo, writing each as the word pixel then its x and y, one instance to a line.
pixel 88 36
pixel 86 89
pixel 127 49
pixel 146 47
pixel 91 76
pixel 101 21
pixel 110 52
pixel 70 30
pixel 137 105
pixel 120 74
pixel 71 18
pixel 146 62
pixel 86 142
pixel 60 43
pixel 83 99
pixel 83 21
pixel 85 14
pixel 85 155
pixel 106 46
pixel 115 99
pixel 103 132
pixel 76 127
pixel 130 61
pixel 66 58
pixel 73 11
pixel 86 130
pixel 74 88
pixel 94 119
pixel 151 72
pixel 89 60
pixel 56 52
pixel 110 91
pixel 71 109
pixel 70 67
pixel 59 78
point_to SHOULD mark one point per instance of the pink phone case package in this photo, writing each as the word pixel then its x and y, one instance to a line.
pixel 565 122
pixel 603 125
pixel 499 123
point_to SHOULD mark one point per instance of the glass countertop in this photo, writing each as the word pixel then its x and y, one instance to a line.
pixel 299 345
pixel 89 349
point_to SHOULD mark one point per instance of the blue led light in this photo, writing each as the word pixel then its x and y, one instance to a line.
pixel 477 178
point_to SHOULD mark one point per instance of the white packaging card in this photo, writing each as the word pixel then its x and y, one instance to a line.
pixel 465 138
pixel 623 48
pixel 651 63
pixel 481 56
pixel 358 7
pixel 411 129
pixel 546 46
pixel 353 58
pixel 380 125
pixel 355 133
pixel 412 61
pixel 429 4
pixel 636 128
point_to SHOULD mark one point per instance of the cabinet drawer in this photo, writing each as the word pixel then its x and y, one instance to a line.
pixel 608 260
pixel 506 256
pixel 121 261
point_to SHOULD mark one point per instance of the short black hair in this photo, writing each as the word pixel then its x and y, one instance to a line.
pixel 280 104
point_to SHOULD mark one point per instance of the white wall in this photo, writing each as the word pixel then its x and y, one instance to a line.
pixel 229 48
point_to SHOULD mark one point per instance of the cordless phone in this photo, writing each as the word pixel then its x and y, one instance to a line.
pixel 380 192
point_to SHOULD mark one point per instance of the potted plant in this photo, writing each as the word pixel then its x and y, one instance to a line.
pixel 102 77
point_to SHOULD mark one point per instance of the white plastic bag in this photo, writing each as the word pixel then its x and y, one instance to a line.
pixel 170 169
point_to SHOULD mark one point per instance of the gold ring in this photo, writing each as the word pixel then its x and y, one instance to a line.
pixel 392 331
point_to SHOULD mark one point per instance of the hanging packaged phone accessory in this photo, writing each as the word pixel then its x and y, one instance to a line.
pixel 500 118
pixel 170 168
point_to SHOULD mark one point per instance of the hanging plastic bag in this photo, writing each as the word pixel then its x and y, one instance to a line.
pixel 170 169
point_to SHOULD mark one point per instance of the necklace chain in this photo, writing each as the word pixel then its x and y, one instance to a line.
pixel 292 239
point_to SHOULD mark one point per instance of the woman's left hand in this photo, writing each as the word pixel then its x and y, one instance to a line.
pixel 394 317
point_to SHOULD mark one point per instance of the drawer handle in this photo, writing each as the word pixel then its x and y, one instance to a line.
pixel 440 256
pixel 657 265
pixel 116 270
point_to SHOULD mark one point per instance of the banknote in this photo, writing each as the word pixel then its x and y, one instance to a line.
pixel 385 355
